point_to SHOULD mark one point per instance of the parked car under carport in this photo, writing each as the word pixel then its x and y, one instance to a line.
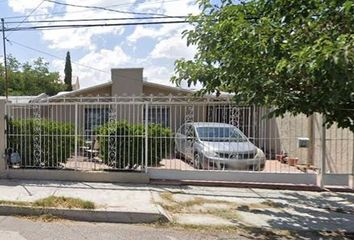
pixel 219 146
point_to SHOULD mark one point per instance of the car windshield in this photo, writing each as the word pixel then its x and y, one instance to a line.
pixel 220 134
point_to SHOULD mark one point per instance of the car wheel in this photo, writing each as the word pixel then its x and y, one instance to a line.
pixel 197 161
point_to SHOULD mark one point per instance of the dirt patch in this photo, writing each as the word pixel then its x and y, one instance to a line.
pixel 42 218
pixel 256 233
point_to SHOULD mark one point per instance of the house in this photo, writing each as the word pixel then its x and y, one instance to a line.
pixel 128 97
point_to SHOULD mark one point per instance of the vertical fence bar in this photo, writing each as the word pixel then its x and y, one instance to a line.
pixel 146 135
pixel 76 133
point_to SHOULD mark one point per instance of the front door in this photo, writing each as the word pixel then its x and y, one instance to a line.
pixel 94 118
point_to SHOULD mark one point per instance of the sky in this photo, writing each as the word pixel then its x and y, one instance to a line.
pixel 94 51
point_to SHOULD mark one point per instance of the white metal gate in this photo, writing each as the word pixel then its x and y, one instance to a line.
pixel 169 133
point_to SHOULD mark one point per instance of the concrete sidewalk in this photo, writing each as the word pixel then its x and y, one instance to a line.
pixel 196 205
pixel 260 208
pixel 114 202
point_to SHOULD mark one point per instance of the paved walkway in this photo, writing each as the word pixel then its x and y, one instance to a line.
pixel 273 209
pixel 85 164
pixel 270 166
pixel 239 207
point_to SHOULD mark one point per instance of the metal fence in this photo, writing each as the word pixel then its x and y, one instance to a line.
pixel 182 133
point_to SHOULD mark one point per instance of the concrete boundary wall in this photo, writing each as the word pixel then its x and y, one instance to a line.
pixel 336 179
pixel 251 177
pixel 67 175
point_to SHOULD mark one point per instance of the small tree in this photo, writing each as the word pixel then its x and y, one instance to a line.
pixel 68 72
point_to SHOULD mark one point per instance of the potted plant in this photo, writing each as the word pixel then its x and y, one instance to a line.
pixel 292 161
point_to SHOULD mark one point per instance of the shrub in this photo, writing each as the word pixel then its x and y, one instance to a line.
pixel 123 144
pixel 57 141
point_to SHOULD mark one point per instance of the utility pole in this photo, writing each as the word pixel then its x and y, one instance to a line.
pixel 5 60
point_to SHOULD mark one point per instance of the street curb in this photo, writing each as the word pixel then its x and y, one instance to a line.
pixel 163 212
pixel 86 215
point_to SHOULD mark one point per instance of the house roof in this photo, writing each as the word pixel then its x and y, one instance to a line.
pixel 82 90
pixel 166 87
pixel 108 84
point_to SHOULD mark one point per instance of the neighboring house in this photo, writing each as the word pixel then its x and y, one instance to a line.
pixel 274 135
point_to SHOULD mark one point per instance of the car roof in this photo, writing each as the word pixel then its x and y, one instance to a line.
pixel 210 124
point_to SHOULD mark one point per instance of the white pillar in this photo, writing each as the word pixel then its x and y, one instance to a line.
pixel 2 138
pixel 351 177
pixel 321 175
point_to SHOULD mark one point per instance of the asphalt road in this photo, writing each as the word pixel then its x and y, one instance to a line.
pixel 15 228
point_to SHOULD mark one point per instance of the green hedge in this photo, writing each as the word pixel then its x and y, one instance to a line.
pixel 128 140
pixel 57 141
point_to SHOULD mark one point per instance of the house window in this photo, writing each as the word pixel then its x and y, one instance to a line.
pixel 159 115
pixel 94 118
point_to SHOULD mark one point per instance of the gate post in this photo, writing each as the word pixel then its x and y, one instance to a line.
pixel 146 124
pixel 76 134
pixel 351 176
pixel 2 138
pixel 320 177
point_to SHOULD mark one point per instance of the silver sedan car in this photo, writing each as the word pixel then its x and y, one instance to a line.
pixel 217 146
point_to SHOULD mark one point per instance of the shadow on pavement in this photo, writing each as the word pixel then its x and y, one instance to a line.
pixel 327 215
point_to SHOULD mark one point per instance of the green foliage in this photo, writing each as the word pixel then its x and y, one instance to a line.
pixel 129 142
pixel 57 141
pixel 30 78
pixel 295 56
pixel 68 72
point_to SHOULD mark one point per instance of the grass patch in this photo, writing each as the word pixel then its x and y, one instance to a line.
pixel 15 203
pixel 173 206
pixel 224 213
pixel 54 202
pixel 64 202
pixel 167 196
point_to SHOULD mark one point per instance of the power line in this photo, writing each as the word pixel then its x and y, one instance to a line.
pixel 26 17
pixel 109 6
pixel 54 56
pixel 53 27
pixel 95 19
pixel 104 8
